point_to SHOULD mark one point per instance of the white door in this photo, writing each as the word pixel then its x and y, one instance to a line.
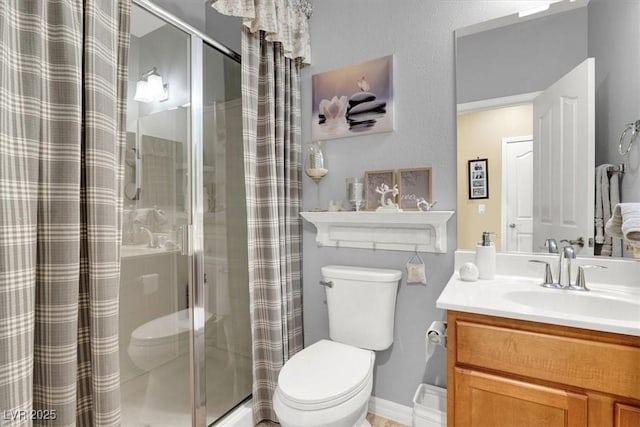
pixel 564 130
pixel 517 181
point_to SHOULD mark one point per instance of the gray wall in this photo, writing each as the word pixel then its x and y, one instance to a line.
pixel 420 35
pixel 516 52
pixel 614 40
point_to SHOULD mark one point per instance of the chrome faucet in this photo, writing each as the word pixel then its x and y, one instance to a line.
pixel 551 245
pixel 149 235
pixel 568 253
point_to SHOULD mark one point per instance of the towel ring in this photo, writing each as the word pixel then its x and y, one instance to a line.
pixel 635 129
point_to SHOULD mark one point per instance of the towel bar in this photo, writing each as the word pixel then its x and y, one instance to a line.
pixel 635 129
pixel 617 169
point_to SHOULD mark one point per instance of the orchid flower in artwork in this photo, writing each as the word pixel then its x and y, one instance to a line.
pixel 334 109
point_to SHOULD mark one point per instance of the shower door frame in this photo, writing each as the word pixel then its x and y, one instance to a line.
pixel 193 242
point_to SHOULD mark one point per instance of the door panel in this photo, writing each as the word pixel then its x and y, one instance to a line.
pixel 563 132
pixel 518 222
pixel 626 415
pixel 484 400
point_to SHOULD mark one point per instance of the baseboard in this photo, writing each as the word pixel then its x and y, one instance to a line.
pixel 242 416
pixel 391 410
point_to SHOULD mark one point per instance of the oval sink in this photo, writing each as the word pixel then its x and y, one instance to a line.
pixel 578 303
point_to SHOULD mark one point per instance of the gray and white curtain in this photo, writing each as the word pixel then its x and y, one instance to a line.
pixel 272 145
pixel 62 115
pixel 275 44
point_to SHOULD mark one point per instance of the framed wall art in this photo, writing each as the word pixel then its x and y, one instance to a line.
pixel 478 179
pixel 413 185
pixel 373 179
pixel 354 100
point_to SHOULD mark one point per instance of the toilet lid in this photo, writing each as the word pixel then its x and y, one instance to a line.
pixel 325 374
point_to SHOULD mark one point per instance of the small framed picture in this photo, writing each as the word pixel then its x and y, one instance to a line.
pixel 413 185
pixel 479 179
pixel 372 180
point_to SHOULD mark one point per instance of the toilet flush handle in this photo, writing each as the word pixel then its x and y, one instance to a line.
pixel 328 284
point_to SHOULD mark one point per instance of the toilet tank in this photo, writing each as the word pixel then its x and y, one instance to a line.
pixel 361 304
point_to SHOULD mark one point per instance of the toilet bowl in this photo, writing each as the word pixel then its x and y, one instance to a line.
pixel 329 383
pixel 160 340
pixel 325 385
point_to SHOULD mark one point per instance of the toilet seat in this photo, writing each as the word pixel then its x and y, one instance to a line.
pixel 324 374
pixel 161 340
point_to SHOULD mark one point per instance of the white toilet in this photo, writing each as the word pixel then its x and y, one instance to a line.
pixel 328 384
pixel 163 339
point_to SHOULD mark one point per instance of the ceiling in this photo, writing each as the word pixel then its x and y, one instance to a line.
pixel 143 22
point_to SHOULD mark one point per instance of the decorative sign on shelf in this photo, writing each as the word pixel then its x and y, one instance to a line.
pixel 374 180
pixel 406 189
pixel 414 184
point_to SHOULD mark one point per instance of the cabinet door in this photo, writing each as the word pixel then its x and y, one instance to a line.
pixel 483 400
pixel 627 416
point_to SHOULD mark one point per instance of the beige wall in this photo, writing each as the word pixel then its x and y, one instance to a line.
pixel 480 136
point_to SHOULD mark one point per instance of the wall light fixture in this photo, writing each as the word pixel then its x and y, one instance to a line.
pixel 151 87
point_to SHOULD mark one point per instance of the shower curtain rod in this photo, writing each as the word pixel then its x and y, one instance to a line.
pixel 182 25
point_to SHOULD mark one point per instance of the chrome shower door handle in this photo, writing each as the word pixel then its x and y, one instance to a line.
pixel 328 284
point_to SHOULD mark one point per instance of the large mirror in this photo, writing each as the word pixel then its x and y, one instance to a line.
pixel 543 97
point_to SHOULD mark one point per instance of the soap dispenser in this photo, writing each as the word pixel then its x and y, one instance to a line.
pixel 486 256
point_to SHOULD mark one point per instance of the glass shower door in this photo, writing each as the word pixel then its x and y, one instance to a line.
pixel 185 341
pixel 155 319
pixel 228 334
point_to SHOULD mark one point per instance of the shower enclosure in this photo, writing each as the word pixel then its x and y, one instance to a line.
pixel 185 341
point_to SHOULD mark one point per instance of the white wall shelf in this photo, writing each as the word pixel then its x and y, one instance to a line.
pixel 395 231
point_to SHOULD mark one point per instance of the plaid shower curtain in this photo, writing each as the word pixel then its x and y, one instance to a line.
pixel 62 116
pixel 271 126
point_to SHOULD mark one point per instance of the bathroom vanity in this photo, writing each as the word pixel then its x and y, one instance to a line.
pixel 522 355
pixel 506 372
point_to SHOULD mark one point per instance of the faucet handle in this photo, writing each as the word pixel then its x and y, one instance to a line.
pixel 581 284
pixel 548 277
pixel 577 242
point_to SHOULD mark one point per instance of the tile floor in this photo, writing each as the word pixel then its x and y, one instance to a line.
pixel 374 420
pixel 382 422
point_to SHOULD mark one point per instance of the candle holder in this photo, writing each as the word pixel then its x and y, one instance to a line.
pixel 355 193
pixel 316 167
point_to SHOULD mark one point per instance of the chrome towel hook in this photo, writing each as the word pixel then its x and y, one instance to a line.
pixel 633 129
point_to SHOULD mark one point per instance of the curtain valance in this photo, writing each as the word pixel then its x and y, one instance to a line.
pixel 284 21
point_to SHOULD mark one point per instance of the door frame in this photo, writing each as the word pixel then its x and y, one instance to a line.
pixel 503 204
pixel 495 103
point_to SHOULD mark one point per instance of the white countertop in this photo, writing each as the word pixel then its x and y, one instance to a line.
pixel 608 307
pixel 137 251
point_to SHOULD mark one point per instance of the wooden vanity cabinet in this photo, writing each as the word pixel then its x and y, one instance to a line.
pixel 512 373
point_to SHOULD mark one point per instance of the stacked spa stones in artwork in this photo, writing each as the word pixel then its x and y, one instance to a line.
pixel 363 109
